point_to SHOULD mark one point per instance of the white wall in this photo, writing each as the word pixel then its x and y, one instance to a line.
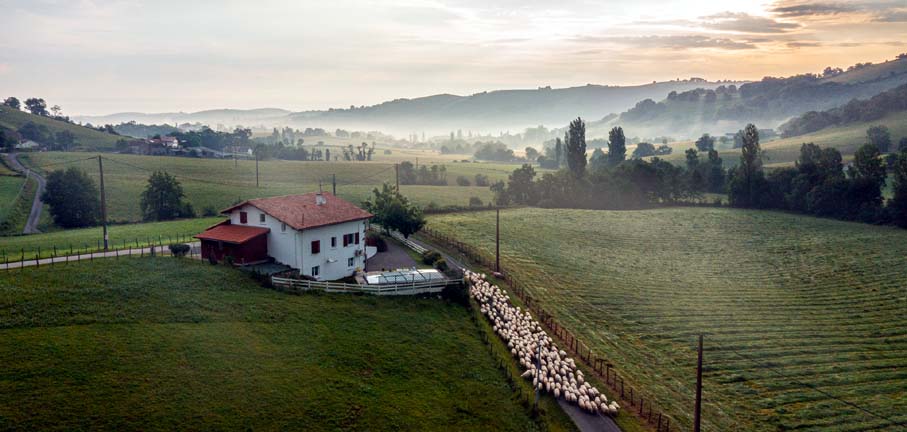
pixel 294 248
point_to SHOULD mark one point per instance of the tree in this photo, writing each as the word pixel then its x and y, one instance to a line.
pixel 692 157
pixel 880 137
pixel 162 198
pixel 868 165
pixel 617 146
pixel 520 188
pixel 598 160
pixel 65 140
pixel 36 106
pixel 558 150
pixel 576 148
pixel 531 154
pixel 643 149
pixel 748 181
pixel 12 102
pixel 716 173
pixel 394 212
pixel 705 143
pixel 72 198
pixel 897 207
pixel 902 144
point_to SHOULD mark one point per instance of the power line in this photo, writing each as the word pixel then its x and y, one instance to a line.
pixel 816 389
pixel 183 177
pixel 62 162
pixel 367 177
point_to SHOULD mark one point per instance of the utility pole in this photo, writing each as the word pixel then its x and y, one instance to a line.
pixel 497 241
pixel 334 184
pixel 103 202
pixel 256 169
pixel 397 174
pixel 697 416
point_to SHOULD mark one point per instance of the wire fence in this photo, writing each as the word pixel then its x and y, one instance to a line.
pixel 62 253
pixel 632 398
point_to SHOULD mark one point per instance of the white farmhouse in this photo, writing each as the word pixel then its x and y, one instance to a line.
pixel 317 233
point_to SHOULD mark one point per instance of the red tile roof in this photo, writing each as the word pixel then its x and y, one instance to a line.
pixel 232 233
pixel 302 212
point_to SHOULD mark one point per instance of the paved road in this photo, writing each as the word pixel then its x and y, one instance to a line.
pixel 31 226
pixel 585 421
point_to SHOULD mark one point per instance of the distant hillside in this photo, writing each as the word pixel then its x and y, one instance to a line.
pixel 487 112
pixel 496 111
pixel 85 138
pixel 767 103
pixel 252 117
pixel 855 111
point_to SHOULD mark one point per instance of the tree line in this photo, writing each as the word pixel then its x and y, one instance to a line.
pixel 818 185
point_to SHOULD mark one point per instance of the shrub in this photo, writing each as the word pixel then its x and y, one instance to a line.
pixel 475 202
pixel 430 257
pixel 463 181
pixel 441 265
pixel 374 239
pixel 209 211
pixel 179 249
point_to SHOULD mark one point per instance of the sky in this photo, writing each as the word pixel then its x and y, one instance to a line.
pixel 100 57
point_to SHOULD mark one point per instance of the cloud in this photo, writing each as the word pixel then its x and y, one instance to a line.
pixel 803 44
pixel 799 9
pixel 671 42
pixel 746 23
pixel 891 16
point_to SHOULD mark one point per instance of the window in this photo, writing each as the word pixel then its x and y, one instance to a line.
pixel 333 242
pixel 357 238
pixel 349 239
pixel 315 271
pixel 243 217
pixel 283 227
pixel 316 246
pixel 350 262
pixel 261 218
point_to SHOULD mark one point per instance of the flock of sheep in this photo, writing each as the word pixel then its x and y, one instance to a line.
pixel 550 370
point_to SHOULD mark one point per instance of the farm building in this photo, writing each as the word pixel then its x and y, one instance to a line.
pixel 317 233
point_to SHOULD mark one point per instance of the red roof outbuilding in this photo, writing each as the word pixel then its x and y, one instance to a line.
pixel 236 234
pixel 304 211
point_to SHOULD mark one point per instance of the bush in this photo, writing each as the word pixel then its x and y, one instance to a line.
pixel 430 257
pixel 179 249
pixel 441 265
pixel 209 211
pixel 475 202
pixel 374 239
pixel 457 294
pixel 463 181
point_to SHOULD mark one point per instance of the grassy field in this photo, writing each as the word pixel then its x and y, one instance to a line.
pixel 88 239
pixel 785 302
pixel 215 184
pixel 9 191
pixel 85 137
pixel 164 344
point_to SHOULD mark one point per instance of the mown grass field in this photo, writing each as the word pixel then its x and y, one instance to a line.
pixel 90 239
pixel 784 301
pixel 216 184
pixel 9 191
pixel 170 344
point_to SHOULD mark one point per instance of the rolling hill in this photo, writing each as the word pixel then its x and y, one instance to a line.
pixel 767 103
pixel 85 138
pixel 490 112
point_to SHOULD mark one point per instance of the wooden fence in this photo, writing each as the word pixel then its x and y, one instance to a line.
pixel 54 254
pixel 299 286
pixel 631 398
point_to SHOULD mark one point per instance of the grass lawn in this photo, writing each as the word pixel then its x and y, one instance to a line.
pixel 215 184
pixel 782 300
pixel 9 191
pixel 87 239
pixel 164 344
pixel 84 137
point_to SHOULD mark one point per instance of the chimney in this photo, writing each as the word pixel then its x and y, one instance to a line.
pixel 319 199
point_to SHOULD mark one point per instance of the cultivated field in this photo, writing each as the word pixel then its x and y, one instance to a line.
pixel 797 312
pixel 214 184
pixel 170 344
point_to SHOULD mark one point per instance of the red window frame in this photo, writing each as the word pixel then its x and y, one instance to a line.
pixel 243 217
pixel 316 247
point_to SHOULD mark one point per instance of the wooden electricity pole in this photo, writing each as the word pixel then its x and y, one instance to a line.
pixel 256 169
pixel 103 202
pixel 334 184
pixel 397 174
pixel 497 241
pixel 697 416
